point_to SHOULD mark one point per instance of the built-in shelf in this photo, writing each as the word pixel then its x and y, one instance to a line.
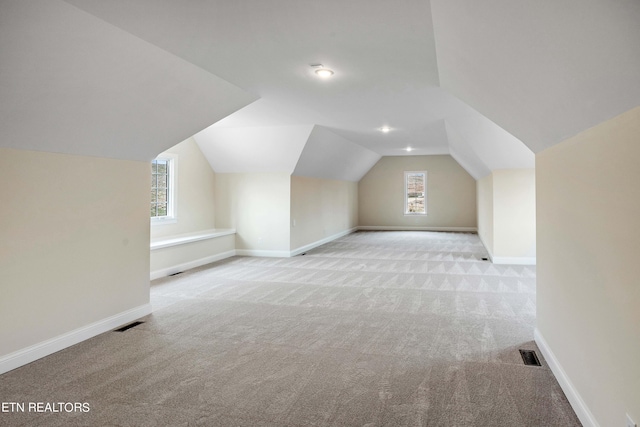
pixel 166 242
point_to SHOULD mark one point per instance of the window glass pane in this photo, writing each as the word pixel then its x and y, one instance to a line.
pixel 162 195
pixel 162 167
pixel 162 181
pixel 416 204
pixel 415 193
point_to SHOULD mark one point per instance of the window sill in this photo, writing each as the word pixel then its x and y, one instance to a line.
pixel 163 221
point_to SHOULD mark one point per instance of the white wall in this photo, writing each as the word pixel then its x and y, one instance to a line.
pixel 195 192
pixel 451 194
pixel 257 205
pixel 321 208
pixel 588 296
pixel 74 243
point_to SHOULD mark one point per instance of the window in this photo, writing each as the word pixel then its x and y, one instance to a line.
pixel 415 193
pixel 163 184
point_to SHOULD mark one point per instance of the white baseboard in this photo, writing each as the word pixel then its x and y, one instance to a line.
pixel 507 260
pixel 321 242
pixel 263 253
pixel 408 228
pixel 579 406
pixel 513 260
pixel 37 351
pixel 191 264
pixel 486 248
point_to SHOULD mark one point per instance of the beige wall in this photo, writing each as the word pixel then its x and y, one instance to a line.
pixel 514 210
pixel 451 193
pixel 195 192
pixel 588 271
pixel 507 215
pixel 485 211
pixel 74 243
pixel 321 208
pixel 257 205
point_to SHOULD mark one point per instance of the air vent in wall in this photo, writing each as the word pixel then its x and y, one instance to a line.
pixel 129 326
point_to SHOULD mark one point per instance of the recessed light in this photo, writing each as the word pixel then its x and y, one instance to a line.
pixel 321 71
pixel 385 129
pixel 324 72
pixel 408 148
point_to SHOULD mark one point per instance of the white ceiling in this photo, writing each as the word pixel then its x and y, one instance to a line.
pixel 125 78
pixel 253 148
pixel 543 70
pixel 329 156
pixel 71 83
pixel 383 55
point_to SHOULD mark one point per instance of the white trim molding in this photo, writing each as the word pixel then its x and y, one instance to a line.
pixel 577 403
pixel 37 351
pixel 485 247
pixel 263 253
pixel 406 192
pixel 172 191
pixel 505 260
pixel 191 264
pixel 409 228
pixel 513 260
pixel 321 242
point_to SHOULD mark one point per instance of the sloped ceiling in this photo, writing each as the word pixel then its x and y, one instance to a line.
pixel 253 148
pixel 487 82
pixel 543 71
pixel 329 156
pixel 71 83
pixel 383 55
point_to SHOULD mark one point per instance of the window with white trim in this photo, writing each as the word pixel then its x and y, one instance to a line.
pixel 415 193
pixel 163 189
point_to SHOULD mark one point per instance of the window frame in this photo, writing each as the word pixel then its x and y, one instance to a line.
pixel 406 193
pixel 172 190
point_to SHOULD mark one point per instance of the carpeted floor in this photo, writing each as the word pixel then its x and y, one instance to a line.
pixel 373 329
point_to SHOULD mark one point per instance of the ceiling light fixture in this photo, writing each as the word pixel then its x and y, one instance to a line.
pixel 324 72
pixel 321 71
pixel 409 149
pixel 385 129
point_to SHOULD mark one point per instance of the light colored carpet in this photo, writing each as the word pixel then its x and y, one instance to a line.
pixel 373 329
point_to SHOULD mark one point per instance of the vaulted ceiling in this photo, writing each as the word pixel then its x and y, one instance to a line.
pixel 490 83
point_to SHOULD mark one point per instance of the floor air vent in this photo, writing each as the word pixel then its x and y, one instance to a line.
pixel 175 274
pixel 129 326
pixel 530 358
pixel 485 259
